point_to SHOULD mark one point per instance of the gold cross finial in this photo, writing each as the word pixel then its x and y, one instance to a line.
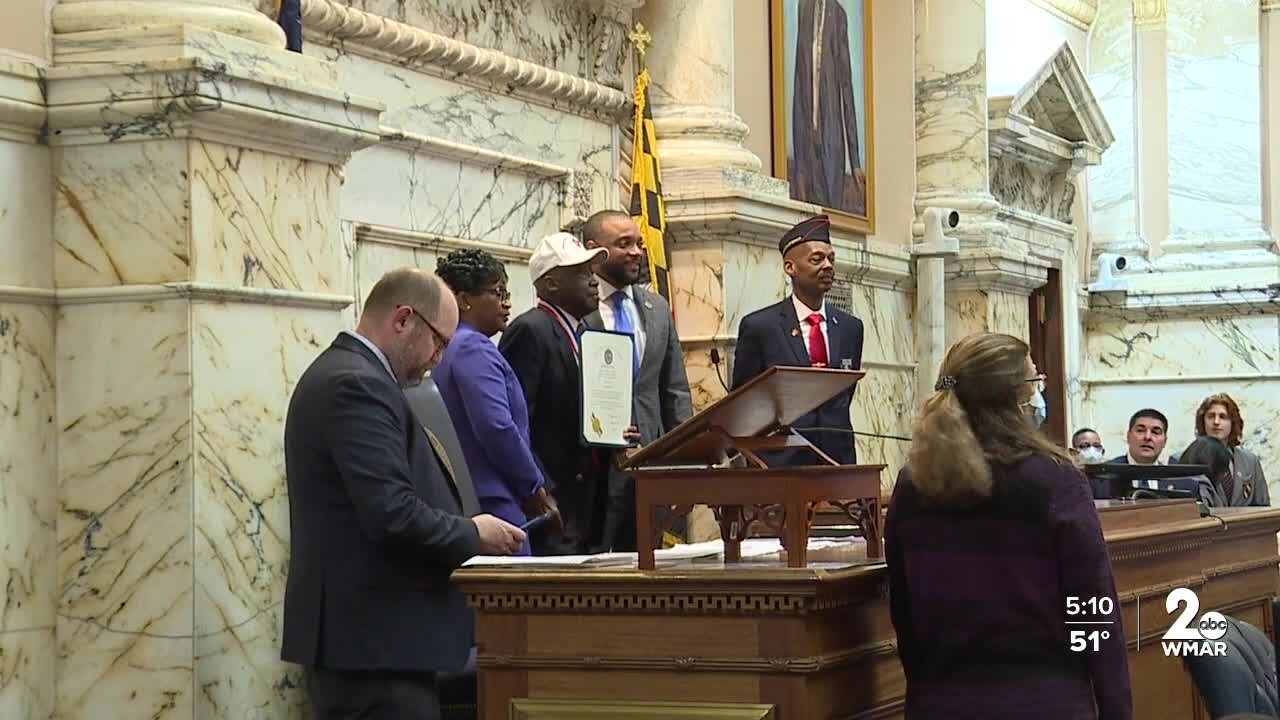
pixel 640 39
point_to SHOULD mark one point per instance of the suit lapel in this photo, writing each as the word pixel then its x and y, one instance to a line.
pixel 791 330
pixel 835 335
pixel 649 322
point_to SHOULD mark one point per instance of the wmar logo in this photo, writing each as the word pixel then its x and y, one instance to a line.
pixel 1188 637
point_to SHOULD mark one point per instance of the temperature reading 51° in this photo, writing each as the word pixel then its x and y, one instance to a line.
pixel 1090 640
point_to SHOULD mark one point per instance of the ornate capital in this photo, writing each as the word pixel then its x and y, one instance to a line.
pixel 1080 13
pixel 1150 13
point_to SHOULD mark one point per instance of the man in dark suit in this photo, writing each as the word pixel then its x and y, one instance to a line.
pixel 541 345
pixel 804 331
pixel 660 393
pixel 376 525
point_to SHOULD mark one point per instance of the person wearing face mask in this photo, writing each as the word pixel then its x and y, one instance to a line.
pixel 1245 484
pixel 1087 445
pixel 990 529
pixel 483 396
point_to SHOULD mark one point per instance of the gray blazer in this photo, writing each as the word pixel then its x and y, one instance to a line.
pixel 1248 469
pixel 660 400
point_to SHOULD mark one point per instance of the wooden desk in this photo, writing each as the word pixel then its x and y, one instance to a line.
pixel 760 640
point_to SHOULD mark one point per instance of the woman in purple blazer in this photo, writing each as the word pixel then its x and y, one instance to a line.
pixel 483 395
pixel 993 545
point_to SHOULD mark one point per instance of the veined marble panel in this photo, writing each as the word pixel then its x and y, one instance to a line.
pixel 408 189
pixel 704 387
pixel 1215 136
pixel 951 98
pixel 974 311
pixel 573 37
pixel 886 315
pixel 885 404
pixel 263 220
pixel 1112 191
pixel 124 522
pixel 26 674
pixel 26 211
pixel 28 506
pixel 427 105
pixel 1172 347
pixel 121 214
pixel 753 278
pixel 246 360
pixel 1108 407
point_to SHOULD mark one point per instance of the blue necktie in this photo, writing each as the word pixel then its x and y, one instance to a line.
pixel 622 323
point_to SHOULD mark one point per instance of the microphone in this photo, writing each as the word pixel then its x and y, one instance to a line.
pixel 715 362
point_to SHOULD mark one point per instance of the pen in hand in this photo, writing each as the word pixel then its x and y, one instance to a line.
pixel 537 522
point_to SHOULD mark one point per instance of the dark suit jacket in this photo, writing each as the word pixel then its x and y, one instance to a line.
pixel 376 526
pixel 537 349
pixel 765 339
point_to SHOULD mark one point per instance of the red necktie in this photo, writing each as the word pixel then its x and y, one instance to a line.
pixel 817 343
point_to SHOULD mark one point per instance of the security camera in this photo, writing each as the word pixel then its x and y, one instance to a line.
pixel 1110 265
pixel 937 221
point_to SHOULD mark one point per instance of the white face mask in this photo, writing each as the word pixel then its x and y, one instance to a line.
pixel 1091 455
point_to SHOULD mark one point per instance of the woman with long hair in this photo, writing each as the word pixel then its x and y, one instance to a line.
pixel 993 543
pixel 483 395
pixel 1218 417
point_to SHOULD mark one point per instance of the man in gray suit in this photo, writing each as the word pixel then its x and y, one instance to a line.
pixel 660 399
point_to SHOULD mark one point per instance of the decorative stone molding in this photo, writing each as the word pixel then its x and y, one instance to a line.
pixel 1150 13
pixel 775 664
pixel 437 243
pixel 22 101
pixel 117 22
pixel 1079 13
pixel 995 271
pixel 575 188
pixel 394 42
pixel 225 101
pixel 173 291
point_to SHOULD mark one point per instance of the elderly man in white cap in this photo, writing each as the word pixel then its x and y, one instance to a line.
pixel 542 347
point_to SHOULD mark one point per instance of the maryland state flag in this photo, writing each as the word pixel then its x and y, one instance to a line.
pixel 646 190
pixel 289 18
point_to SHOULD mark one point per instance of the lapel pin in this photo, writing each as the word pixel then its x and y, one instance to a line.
pixel 648 304
pixel 834 321
pixel 846 364
pixel 795 332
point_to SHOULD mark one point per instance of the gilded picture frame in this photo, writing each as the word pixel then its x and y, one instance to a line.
pixel 527 709
pixel 828 44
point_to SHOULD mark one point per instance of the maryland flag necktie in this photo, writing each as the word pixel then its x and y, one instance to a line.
pixel 646 190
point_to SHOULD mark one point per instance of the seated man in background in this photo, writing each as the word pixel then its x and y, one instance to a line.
pixel 1147 435
pixel 1086 447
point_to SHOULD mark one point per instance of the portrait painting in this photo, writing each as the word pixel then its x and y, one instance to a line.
pixel 822 115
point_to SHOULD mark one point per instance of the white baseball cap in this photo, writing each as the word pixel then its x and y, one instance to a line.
pixel 560 250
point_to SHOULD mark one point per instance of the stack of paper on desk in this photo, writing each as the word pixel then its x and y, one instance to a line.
pixel 712 549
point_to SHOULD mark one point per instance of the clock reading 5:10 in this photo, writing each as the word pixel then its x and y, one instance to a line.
pixel 1090 606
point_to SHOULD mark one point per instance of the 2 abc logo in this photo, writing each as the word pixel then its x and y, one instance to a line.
pixel 1188 636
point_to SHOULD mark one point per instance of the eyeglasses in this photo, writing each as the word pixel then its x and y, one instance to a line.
pixel 1037 378
pixel 499 292
pixel 442 342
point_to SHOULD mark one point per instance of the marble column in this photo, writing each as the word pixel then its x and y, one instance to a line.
pixel 692 91
pixel 28 435
pixel 1114 185
pixel 1151 123
pixel 1215 136
pixel 952 167
pixel 1269 32
pixel 199 268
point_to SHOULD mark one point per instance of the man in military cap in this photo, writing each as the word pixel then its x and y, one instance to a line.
pixel 804 330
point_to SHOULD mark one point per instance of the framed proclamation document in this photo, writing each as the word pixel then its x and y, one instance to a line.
pixel 607 381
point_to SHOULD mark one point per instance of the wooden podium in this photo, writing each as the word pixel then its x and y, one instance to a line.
pixel 688 466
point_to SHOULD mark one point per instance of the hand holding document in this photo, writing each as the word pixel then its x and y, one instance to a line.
pixel 607 379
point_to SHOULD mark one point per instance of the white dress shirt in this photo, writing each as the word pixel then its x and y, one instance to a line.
pixel 803 312
pixel 1153 484
pixel 628 305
